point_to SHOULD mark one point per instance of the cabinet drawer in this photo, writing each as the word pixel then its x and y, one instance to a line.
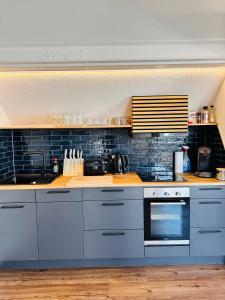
pixel 166 251
pixel 55 195
pixel 207 192
pixel 114 244
pixel 207 242
pixel 113 214
pixel 17 196
pixel 208 213
pixel 113 193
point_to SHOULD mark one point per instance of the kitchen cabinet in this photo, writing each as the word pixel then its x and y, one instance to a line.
pixel 207 241
pixel 60 225
pixel 118 193
pixel 207 234
pixel 113 222
pixel 18 228
pixel 114 244
pixel 127 214
pixel 166 251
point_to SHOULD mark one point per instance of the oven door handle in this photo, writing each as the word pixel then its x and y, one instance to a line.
pixel 181 202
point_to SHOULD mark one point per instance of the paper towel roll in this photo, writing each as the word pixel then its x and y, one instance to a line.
pixel 179 158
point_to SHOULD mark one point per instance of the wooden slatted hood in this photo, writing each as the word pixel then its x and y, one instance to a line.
pixel 159 114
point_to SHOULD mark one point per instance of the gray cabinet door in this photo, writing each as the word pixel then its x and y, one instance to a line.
pixel 60 230
pixel 55 195
pixel 18 231
pixel 117 193
pixel 207 192
pixel 208 212
pixel 207 242
pixel 126 214
pixel 114 244
pixel 17 196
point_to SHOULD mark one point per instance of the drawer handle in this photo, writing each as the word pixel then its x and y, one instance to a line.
pixel 12 206
pixel 209 231
pixel 210 202
pixel 113 204
pixel 113 233
pixel 210 189
pixel 112 191
pixel 58 192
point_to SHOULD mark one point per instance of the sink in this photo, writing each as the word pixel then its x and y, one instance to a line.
pixel 29 179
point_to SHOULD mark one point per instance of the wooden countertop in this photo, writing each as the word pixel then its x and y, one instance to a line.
pixel 129 179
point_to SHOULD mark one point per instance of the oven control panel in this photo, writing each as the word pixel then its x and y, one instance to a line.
pixel 180 192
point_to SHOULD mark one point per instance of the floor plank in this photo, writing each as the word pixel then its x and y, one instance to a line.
pixel 144 283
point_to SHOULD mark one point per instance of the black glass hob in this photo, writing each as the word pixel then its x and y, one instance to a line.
pixel 162 177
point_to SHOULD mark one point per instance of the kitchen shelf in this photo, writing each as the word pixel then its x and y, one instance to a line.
pixel 63 126
pixel 209 124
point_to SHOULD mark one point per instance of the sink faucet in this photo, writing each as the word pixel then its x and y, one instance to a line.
pixel 43 174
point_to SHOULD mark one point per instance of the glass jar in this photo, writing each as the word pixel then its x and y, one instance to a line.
pixel 205 115
pixel 212 114
pixel 220 174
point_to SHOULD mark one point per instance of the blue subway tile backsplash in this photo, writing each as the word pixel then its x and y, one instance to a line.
pixel 6 154
pixel 146 154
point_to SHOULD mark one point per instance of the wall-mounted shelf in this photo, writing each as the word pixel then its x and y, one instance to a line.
pixel 209 124
pixel 63 126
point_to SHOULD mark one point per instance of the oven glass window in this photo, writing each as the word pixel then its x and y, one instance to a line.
pixel 168 220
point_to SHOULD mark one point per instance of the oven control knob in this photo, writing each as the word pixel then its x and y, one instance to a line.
pixel 166 194
pixel 178 194
pixel 154 194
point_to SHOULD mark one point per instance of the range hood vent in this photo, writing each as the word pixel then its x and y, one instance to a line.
pixel 159 114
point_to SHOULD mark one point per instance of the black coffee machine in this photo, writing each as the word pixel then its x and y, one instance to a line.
pixel 205 162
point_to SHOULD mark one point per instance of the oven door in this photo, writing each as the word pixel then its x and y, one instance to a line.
pixel 167 221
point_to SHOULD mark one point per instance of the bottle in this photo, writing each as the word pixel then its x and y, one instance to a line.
pixel 205 115
pixel 55 166
pixel 186 160
pixel 212 115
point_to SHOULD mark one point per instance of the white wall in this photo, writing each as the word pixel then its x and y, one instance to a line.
pixel 220 111
pixel 29 97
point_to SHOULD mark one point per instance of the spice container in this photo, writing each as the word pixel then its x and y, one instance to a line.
pixel 205 115
pixel 212 115
pixel 199 118
pixel 220 174
pixel 192 118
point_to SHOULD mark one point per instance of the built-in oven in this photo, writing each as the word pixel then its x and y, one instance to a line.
pixel 167 216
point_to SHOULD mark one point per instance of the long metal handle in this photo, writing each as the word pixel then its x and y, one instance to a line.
pixel 12 206
pixel 58 192
pixel 112 191
pixel 210 189
pixel 209 231
pixel 113 204
pixel 210 202
pixel 181 202
pixel 113 233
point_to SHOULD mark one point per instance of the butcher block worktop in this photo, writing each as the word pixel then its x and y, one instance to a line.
pixel 129 179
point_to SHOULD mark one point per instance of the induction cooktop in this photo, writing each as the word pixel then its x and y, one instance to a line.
pixel 162 177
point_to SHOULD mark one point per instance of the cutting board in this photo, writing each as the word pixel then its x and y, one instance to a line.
pixel 90 181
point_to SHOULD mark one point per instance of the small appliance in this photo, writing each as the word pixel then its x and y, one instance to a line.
pixel 205 162
pixel 119 163
pixel 94 167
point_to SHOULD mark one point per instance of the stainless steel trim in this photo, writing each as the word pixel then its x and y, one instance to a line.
pixel 167 192
pixel 169 242
pixel 181 202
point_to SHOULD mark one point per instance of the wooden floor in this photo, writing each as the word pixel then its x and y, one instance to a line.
pixel 189 282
